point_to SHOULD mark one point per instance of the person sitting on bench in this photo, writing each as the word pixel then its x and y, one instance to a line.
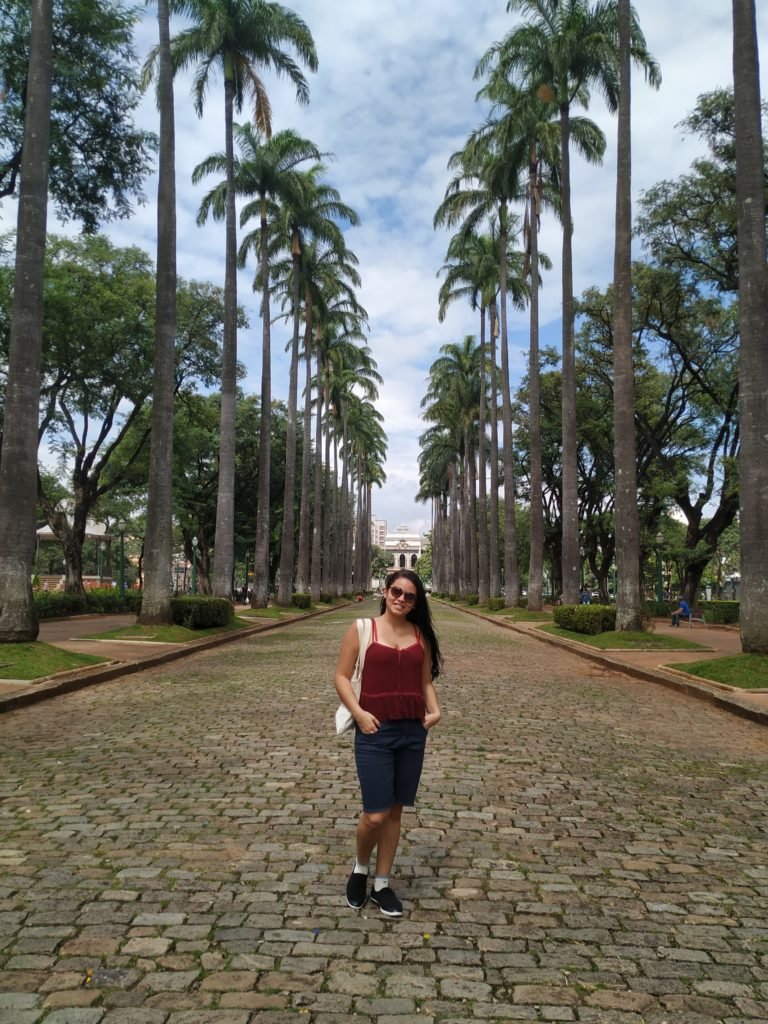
pixel 681 612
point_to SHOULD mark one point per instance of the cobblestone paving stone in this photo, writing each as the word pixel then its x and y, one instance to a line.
pixel 586 848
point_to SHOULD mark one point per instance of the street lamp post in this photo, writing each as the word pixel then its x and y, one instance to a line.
pixel 659 580
pixel 101 548
pixel 121 525
pixel 194 565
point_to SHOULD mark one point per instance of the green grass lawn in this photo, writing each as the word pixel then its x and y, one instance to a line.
pixel 33 661
pixel 629 641
pixel 270 613
pixel 749 671
pixel 165 634
pixel 520 615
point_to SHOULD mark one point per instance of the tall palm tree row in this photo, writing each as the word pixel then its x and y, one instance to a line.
pixel 562 50
pixel 239 39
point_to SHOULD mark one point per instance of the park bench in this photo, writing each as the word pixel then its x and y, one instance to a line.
pixel 696 615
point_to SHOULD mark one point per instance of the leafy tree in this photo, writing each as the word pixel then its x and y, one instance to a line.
pixel 98 157
pixel 18 617
pixel 98 343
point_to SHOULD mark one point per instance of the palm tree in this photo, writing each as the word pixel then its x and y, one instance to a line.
pixel 238 38
pixel 753 316
pixel 267 170
pixel 629 611
pixel 562 50
pixel 18 462
pixel 158 539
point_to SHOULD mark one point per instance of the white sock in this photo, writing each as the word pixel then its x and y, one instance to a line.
pixel 380 882
pixel 359 869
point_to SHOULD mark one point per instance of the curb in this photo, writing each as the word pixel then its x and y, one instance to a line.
pixel 78 679
pixel 673 679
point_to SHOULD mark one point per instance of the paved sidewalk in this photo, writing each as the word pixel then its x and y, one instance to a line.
pixel 586 847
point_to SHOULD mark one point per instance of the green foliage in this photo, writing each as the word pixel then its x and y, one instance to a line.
pixel 98 157
pixel 303 601
pixel 56 604
pixel 132 601
pixel 201 612
pixel 589 619
pixel 103 600
pixel 472 599
pixel 495 604
pixel 720 612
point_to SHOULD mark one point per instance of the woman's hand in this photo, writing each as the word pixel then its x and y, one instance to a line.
pixel 431 718
pixel 367 722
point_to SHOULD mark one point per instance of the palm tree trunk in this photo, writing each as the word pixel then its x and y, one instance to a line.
pixel 302 570
pixel 455 522
pixel 288 530
pixel 536 561
pixel 328 504
pixel 158 541
pixel 570 498
pixel 224 542
pixel 482 503
pixel 629 612
pixel 511 585
pixel 18 463
pixel 261 556
pixel 493 534
pixel 317 510
pixel 753 316
pixel 472 515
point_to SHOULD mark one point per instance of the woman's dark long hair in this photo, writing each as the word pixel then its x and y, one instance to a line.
pixel 419 615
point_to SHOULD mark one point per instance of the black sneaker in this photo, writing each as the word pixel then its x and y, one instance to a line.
pixel 356 886
pixel 387 902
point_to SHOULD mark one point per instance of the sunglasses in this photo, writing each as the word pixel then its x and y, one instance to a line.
pixel 399 594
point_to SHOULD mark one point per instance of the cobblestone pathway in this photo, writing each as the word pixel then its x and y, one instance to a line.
pixel 586 847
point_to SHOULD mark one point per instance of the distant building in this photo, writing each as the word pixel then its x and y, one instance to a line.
pixel 405 547
pixel 378 532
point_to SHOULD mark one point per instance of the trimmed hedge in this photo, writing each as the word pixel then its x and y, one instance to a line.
pixel 590 619
pixel 720 612
pixel 472 599
pixel 495 604
pixel 201 612
pixel 55 604
pixel 301 600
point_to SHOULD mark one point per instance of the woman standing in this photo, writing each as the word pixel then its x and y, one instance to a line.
pixel 397 707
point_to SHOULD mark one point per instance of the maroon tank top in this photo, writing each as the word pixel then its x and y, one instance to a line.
pixel 391 685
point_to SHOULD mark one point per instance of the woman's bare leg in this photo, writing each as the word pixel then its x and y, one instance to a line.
pixel 389 838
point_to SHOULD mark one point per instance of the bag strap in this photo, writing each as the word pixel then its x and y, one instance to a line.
pixel 363 639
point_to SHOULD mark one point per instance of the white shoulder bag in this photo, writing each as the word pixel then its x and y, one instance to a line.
pixel 344 719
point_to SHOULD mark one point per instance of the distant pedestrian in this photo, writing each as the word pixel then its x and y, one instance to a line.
pixel 681 612
pixel 585 598
pixel 396 709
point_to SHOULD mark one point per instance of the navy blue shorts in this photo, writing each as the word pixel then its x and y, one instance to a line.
pixel 389 763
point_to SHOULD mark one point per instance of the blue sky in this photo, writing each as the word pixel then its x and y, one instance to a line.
pixel 393 98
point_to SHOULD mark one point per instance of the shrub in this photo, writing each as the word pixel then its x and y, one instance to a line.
pixel 132 601
pixel 522 602
pixel 301 600
pixel 451 597
pixel 52 604
pixel 495 604
pixel 473 599
pixel 721 612
pixel 105 599
pixel 586 618
pixel 201 612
